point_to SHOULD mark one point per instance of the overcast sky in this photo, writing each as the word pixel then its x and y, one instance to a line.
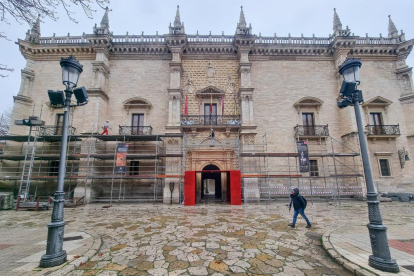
pixel 267 17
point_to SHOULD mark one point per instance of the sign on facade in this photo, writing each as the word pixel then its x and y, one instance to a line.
pixel 303 156
pixel 121 158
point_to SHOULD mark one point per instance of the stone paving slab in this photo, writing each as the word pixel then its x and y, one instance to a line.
pixel 353 244
pixel 22 247
pixel 206 239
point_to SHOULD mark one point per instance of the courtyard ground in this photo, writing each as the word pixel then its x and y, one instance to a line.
pixel 208 239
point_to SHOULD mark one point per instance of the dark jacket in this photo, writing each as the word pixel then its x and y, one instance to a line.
pixel 296 200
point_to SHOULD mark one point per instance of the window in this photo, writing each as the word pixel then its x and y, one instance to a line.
pixel 59 124
pixel 375 120
pixel 313 168
pixel 385 167
pixel 53 168
pixel 210 117
pixel 137 124
pixel 134 168
pixel 308 124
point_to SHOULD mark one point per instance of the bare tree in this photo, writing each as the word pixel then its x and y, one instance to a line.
pixel 29 10
pixel 5 120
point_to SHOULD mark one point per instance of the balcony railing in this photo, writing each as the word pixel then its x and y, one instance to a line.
pixel 385 130
pixel 135 130
pixel 55 130
pixel 311 130
pixel 218 120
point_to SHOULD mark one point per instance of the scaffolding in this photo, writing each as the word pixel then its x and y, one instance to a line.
pixel 90 164
pixel 155 160
pixel 336 172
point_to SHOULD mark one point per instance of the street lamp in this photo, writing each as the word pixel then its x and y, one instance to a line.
pixel 71 69
pixel 381 256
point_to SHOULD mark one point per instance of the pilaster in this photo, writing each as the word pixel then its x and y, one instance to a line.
pixel 176 43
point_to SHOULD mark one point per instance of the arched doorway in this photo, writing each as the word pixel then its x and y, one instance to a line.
pixel 211 183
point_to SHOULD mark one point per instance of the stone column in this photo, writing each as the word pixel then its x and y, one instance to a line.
pixel 97 89
pixel 174 91
pixel 251 121
pixel 23 102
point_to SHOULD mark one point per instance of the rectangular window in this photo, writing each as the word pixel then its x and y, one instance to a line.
pixel 134 168
pixel 53 168
pixel 59 124
pixel 376 122
pixel 137 127
pixel 385 167
pixel 313 168
pixel 308 124
pixel 210 114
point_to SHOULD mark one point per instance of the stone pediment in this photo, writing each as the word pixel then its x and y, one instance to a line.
pixel 308 101
pixel 138 102
pixel 377 101
pixel 210 91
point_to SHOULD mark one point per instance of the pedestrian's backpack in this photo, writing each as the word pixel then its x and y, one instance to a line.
pixel 306 202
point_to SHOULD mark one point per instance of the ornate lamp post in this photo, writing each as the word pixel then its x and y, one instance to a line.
pixel 381 256
pixel 55 255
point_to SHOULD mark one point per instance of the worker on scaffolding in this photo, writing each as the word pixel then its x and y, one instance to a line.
pixel 105 127
pixel 212 137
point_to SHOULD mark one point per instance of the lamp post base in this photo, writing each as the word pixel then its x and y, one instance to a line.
pixel 383 265
pixel 53 260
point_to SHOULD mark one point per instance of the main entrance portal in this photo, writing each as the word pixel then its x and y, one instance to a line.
pixel 211 183
pixel 232 185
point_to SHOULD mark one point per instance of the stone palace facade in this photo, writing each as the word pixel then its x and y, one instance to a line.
pixel 163 94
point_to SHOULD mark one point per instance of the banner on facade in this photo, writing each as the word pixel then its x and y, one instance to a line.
pixel 121 158
pixel 303 156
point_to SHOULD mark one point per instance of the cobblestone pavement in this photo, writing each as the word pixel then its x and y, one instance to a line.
pixel 208 239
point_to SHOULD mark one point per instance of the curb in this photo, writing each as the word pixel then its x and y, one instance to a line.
pixel 97 242
pixel 338 258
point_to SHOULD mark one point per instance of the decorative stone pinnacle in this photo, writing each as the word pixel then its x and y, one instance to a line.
pixel 337 25
pixel 392 30
pixel 105 19
pixel 242 19
pixel 177 20
pixel 35 31
pixel 178 26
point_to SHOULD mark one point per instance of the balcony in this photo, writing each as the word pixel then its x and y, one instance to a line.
pixel 207 120
pixel 55 130
pixel 311 131
pixel 383 131
pixel 135 130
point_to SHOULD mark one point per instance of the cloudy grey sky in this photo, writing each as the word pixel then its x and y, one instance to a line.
pixel 267 17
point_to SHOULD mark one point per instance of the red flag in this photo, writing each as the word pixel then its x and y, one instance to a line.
pixel 211 103
pixel 186 105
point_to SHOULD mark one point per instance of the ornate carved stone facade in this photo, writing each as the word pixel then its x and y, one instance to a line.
pixel 262 84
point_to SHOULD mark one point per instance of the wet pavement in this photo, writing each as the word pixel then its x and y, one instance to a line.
pixel 207 239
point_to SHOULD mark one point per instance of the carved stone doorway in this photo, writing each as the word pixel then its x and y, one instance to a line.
pixel 211 183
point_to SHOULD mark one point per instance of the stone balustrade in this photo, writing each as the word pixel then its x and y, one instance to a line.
pixel 294 40
pixel 218 39
pixel 210 38
pixel 63 40
pixel 138 39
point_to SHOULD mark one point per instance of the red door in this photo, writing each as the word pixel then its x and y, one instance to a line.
pixel 233 192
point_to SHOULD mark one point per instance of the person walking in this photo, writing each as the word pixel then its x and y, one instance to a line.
pixel 105 127
pixel 299 205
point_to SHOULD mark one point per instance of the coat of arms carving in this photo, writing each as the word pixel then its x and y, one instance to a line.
pixel 190 85
pixel 210 72
pixel 230 85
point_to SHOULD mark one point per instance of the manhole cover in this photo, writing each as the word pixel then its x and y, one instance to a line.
pixel 409 267
pixel 74 238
